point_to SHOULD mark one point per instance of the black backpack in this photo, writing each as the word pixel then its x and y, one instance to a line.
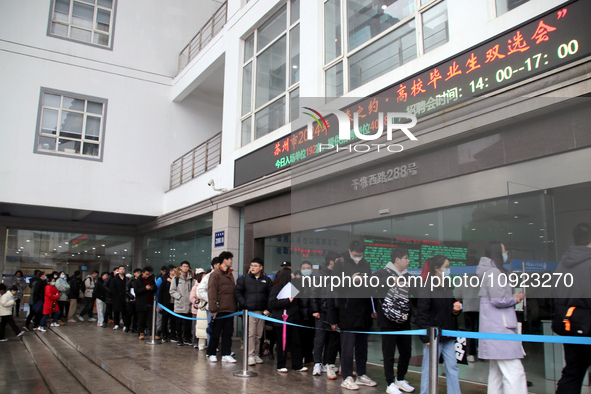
pixel 396 305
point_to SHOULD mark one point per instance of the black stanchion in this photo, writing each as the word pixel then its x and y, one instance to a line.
pixel 245 373
pixel 153 341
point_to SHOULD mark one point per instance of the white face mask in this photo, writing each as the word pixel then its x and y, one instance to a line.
pixel 63 276
pixel 52 283
pixel 306 272
pixel 446 271
pixel 505 257
pixel 355 259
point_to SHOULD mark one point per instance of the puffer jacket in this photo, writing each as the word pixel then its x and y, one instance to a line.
pixel 221 291
pixel 89 283
pixel 252 293
pixel 198 308
pixel 63 286
pixel 6 303
pixel 51 296
pixel 497 314
pixel 180 291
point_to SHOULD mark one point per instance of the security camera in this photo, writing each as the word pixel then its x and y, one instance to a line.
pixel 211 183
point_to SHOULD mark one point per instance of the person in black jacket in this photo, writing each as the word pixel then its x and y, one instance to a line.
pixel 289 306
pixel 438 308
pixel 352 314
pixel 168 321
pixel 306 318
pixel 131 319
pixel 100 293
pixel 117 294
pixel 252 293
pixel 37 285
pixel 109 297
pixel 394 311
pixel 73 295
pixel 326 343
pixel 144 288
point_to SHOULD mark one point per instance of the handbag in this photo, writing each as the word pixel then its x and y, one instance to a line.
pixel 571 320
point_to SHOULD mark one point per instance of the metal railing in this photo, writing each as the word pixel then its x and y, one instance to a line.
pixel 197 161
pixel 211 28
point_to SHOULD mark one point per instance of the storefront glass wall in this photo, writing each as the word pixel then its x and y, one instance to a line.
pixel 190 241
pixel 523 221
pixel 28 250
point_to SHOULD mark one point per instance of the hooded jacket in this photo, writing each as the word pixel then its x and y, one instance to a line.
pixel 383 274
pixel 497 314
pixel 180 291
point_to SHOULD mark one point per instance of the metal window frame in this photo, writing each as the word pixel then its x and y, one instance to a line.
pixel 86 98
pixel 111 34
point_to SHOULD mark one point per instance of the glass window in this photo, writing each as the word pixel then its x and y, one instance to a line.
pixel 270 118
pixel 332 30
pixel 271 78
pixel 382 35
pixel 271 68
pixel 81 124
pixel 504 6
pixel 294 105
pixel 246 88
pixel 435 27
pixel 334 81
pixel 272 28
pixel 368 18
pixel 386 54
pixel 83 20
pixel 294 54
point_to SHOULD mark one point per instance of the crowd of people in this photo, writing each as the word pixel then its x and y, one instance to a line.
pixel 194 306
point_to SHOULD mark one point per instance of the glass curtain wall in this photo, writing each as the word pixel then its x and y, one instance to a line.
pixel 523 222
pixel 190 241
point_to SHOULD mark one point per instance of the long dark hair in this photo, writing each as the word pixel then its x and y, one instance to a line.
pixel 282 277
pixel 494 251
pixel 431 264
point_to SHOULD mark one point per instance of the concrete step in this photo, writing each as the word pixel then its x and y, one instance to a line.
pixel 131 362
pixel 18 372
pixel 56 376
pixel 90 375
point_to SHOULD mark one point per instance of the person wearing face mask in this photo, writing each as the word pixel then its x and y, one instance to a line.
pixel 50 306
pixel 438 308
pixel 306 335
pixel 352 314
pixel 63 286
pixel 497 315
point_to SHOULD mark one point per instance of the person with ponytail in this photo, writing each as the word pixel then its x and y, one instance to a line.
pixel 437 308
pixel 497 315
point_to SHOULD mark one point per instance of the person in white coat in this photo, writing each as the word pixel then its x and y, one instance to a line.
pixel 204 287
pixel 6 303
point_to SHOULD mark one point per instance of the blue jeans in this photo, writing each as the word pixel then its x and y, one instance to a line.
pixel 448 349
pixel 56 316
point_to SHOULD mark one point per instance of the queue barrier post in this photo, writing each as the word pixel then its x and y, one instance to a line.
pixel 245 373
pixel 433 360
pixel 152 340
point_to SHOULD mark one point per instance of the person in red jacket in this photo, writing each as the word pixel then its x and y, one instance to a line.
pixel 52 294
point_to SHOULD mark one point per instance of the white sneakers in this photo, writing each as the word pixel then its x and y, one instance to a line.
pixel 317 369
pixel 213 359
pixel 114 328
pixel 404 386
pixel 42 329
pixel 92 319
pixel 364 380
pixel 258 360
pixel 228 359
pixel 331 372
pixel 20 333
pixel 79 316
pixel 54 325
pixel 251 360
pixel 349 384
pixel 393 389
pixel 471 359
pixel 282 370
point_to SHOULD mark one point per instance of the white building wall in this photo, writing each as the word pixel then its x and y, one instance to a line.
pixel 144 131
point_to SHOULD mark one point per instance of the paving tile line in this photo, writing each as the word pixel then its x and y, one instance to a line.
pixel 45 360
pixel 114 372
pixel 86 377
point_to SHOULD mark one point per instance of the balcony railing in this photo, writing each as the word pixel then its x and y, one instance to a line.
pixel 194 163
pixel 211 28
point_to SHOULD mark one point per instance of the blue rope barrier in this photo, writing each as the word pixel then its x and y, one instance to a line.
pixel 195 318
pixel 518 338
